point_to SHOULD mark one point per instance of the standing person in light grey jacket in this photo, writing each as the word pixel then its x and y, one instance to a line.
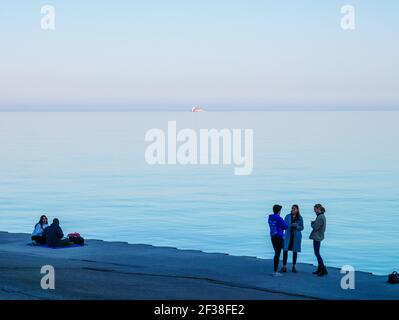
pixel 317 235
pixel 292 237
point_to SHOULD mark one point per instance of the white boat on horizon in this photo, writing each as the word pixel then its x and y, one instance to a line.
pixel 197 109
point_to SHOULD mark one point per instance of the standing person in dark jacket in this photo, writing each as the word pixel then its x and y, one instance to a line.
pixel 293 237
pixel 317 235
pixel 277 226
pixel 54 235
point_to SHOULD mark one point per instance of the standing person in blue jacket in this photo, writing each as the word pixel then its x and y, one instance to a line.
pixel 277 226
pixel 293 237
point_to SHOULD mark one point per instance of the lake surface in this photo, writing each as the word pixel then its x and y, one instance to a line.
pixel 89 170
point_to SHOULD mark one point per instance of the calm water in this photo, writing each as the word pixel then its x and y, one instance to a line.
pixel 88 169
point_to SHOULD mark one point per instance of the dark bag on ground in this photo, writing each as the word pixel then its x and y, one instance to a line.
pixel 393 278
pixel 76 239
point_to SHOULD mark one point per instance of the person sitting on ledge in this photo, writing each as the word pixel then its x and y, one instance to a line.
pixel 54 236
pixel 37 234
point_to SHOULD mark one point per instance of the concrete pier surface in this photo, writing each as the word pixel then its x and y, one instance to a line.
pixel 117 270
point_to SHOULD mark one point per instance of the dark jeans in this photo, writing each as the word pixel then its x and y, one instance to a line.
pixel 278 243
pixel 316 248
pixel 294 257
pixel 60 243
pixel 38 239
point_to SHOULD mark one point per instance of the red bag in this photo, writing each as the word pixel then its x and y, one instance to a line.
pixel 76 238
pixel 73 235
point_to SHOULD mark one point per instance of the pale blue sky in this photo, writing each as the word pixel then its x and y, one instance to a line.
pixel 157 54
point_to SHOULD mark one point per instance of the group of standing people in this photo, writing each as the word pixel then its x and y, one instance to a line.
pixel 286 235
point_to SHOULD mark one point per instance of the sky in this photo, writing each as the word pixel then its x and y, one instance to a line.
pixel 219 54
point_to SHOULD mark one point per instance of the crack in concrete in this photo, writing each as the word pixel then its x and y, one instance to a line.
pixel 213 281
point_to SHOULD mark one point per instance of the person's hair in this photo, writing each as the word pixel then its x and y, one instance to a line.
pixel 40 220
pixel 277 208
pixel 298 215
pixel 56 221
pixel 320 207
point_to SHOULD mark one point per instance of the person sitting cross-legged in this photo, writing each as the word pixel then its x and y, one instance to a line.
pixel 54 236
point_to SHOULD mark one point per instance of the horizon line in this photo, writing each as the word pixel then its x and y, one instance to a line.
pixel 189 109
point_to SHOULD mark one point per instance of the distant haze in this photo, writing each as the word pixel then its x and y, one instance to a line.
pixel 176 54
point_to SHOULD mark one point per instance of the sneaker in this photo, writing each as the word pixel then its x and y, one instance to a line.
pixel 277 274
pixel 283 270
pixel 293 269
